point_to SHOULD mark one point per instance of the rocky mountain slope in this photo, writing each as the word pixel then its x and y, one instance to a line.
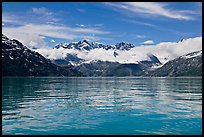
pixel 186 65
pixel 18 60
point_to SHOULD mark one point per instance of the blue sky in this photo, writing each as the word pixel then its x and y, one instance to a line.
pixel 106 22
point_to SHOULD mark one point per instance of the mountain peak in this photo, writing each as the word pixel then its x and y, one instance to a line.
pixel 4 38
pixel 124 46
pixel 63 45
pixel 84 42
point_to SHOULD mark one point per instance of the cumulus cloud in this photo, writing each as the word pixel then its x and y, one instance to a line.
pixel 152 8
pixel 148 42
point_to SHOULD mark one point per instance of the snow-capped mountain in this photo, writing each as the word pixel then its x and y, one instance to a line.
pixel 18 60
pixel 81 45
pixel 76 53
pixel 96 59
pixel 85 45
pixel 192 55
pixel 186 65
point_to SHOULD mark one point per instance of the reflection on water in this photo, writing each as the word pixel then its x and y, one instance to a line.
pixel 132 105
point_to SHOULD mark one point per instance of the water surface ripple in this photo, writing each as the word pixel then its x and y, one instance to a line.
pixel 133 105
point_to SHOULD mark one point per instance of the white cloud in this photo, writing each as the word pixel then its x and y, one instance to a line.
pixel 172 50
pixel 94 25
pixel 140 36
pixel 36 15
pixel 152 8
pixel 41 23
pixel 52 41
pixel 89 30
pixel 41 11
pixel 80 25
pixel 164 51
pixel 43 37
pixel 81 10
pixel 140 23
pixel 63 32
pixel 148 42
pixel 29 40
pixel 32 35
pixel 44 30
pixel 12 19
pixel 44 15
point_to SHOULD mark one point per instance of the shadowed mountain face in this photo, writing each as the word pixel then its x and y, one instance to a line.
pixel 18 60
pixel 187 65
pixel 109 69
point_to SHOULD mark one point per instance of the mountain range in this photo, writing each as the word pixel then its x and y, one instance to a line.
pixel 18 60
pixel 85 58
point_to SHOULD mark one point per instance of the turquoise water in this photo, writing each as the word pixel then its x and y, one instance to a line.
pixel 137 105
